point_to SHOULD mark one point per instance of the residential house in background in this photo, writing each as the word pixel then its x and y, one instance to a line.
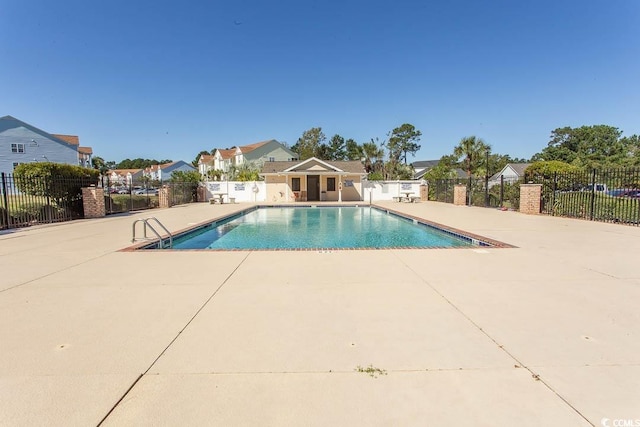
pixel 459 173
pixel 314 180
pixel 124 177
pixel 205 164
pixel 511 173
pixel 422 167
pixel 258 154
pixel 21 142
pixel 163 172
pixel 84 153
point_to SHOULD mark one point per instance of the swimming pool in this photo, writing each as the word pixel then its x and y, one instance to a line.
pixel 290 228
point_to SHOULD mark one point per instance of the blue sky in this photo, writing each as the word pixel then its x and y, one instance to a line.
pixel 159 79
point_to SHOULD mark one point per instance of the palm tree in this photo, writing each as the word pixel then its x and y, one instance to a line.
pixel 247 171
pixel 472 149
pixel 372 154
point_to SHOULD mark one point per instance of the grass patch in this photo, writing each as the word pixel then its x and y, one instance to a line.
pixel 130 202
pixel 371 371
pixel 602 207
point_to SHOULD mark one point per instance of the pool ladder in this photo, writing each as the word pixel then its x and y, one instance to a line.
pixel 147 224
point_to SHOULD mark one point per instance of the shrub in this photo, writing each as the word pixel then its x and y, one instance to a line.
pixel 116 203
pixel 375 176
pixel 548 168
pixel 60 182
pixel 510 193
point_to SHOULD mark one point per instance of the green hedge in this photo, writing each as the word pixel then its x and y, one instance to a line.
pixel 60 182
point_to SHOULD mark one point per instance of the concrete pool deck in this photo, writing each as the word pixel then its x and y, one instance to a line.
pixel 547 333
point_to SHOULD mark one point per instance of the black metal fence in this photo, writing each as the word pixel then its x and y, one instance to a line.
pixel 480 192
pixel 441 190
pixel 140 195
pixel 134 196
pixel 606 195
pixel 610 195
pixel 182 192
pixel 26 201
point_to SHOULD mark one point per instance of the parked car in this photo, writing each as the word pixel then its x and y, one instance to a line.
pixel 147 191
pixel 632 194
pixel 616 192
pixel 123 191
pixel 600 188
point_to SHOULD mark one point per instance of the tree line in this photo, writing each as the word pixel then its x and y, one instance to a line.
pixel 568 149
pixel 599 146
pixel 386 159
pixel 103 165
pixel 596 146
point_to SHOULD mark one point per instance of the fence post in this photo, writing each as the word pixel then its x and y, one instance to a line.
pixel 93 202
pixel 164 196
pixel 424 192
pixel 5 212
pixel 486 188
pixel 593 193
pixel 460 194
pixel 202 193
pixel 502 191
pixel 530 198
pixel 555 190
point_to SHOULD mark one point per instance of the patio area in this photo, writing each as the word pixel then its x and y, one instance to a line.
pixel 543 334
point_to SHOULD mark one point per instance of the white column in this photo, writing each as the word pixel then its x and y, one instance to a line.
pixel 339 188
pixel 287 187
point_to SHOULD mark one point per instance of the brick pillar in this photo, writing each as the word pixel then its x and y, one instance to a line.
pixel 93 202
pixel 460 194
pixel 164 196
pixel 201 193
pixel 530 196
pixel 424 192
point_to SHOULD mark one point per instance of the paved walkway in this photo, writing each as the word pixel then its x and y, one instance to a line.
pixel 545 334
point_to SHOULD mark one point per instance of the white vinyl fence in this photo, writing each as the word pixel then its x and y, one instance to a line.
pixel 256 191
pixel 386 190
pixel 246 191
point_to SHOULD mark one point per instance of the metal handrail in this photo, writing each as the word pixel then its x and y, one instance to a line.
pixel 146 223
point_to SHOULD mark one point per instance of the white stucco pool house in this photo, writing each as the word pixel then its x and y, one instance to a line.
pixel 314 180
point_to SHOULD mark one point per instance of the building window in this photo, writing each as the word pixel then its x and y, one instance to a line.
pixel 17 148
pixel 272 159
pixel 295 184
pixel 15 165
pixel 331 184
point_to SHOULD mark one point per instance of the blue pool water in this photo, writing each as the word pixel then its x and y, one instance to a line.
pixel 316 228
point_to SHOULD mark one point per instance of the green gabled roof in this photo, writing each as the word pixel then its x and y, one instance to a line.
pixel 265 148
